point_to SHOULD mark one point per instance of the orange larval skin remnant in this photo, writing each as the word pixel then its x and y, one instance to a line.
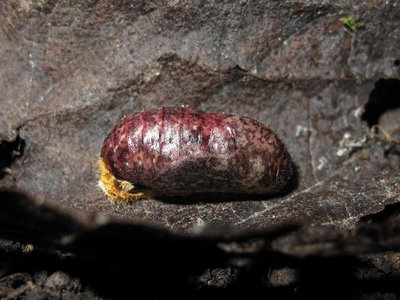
pixel 180 151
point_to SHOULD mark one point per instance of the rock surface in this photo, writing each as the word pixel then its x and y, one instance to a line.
pixel 70 70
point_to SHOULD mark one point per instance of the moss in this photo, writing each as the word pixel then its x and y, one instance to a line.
pixel 350 22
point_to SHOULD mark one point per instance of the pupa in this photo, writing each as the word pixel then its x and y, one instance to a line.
pixel 181 151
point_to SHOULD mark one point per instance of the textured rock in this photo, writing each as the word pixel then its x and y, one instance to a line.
pixel 71 70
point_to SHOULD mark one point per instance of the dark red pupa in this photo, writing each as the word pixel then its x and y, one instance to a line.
pixel 179 151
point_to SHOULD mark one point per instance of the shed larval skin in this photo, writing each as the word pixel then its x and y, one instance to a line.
pixel 180 151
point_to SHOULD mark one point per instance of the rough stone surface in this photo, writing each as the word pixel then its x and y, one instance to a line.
pixel 70 70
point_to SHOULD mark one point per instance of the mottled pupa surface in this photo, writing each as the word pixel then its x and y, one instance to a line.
pixel 179 151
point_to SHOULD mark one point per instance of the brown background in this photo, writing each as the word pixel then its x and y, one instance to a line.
pixel 70 70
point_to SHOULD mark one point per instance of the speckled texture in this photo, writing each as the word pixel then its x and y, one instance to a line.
pixel 179 151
